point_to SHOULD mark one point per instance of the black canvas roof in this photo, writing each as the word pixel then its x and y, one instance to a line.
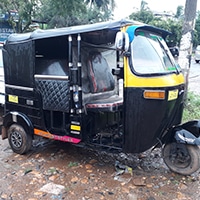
pixel 110 25
pixel 39 34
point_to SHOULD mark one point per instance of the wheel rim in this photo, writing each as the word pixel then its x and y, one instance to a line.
pixel 182 158
pixel 16 139
pixel 177 155
pixel 179 160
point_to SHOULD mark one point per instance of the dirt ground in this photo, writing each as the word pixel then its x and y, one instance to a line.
pixel 56 170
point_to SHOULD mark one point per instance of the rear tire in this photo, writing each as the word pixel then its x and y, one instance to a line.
pixel 20 142
pixel 182 158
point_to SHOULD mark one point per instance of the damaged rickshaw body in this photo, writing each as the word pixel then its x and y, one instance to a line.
pixel 111 85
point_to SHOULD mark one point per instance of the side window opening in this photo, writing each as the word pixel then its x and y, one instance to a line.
pixel 57 67
pixel 51 56
pixel 51 73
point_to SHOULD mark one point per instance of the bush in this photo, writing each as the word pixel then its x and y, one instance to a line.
pixel 192 107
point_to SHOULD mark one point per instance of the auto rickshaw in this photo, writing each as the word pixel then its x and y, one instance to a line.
pixel 111 85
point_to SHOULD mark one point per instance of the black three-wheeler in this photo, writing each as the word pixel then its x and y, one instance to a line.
pixel 111 85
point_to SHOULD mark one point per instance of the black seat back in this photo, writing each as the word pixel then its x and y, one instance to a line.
pixel 100 76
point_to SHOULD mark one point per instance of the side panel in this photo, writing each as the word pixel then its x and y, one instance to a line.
pixel 19 118
pixel 20 95
pixel 147 119
pixel 27 102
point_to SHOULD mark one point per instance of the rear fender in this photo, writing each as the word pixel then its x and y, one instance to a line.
pixel 188 133
pixel 19 118
pixel 193 127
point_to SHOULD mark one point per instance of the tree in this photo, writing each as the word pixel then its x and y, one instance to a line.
pixel 172 26
pixel 26 11
pixel 102 4
pixel 179 12
pixel 62 13
pixel 144 16
pixel 196 40
pixel 144 5
pixel 99 10
pixel 187 37
pixel 58 13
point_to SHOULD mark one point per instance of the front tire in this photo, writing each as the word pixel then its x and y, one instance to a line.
pixel 182 158
pixel 20 142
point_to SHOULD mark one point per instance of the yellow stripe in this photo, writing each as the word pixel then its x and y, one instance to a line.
pixel 75 127
pixel 167 80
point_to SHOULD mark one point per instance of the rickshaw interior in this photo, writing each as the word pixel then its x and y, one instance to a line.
pixel 99 85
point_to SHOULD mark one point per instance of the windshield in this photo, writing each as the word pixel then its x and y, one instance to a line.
pixel 149 54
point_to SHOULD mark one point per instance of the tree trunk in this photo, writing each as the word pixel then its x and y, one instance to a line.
pixel 185 53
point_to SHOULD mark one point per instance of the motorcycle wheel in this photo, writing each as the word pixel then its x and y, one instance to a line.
pixel 182 158
pixel 20 142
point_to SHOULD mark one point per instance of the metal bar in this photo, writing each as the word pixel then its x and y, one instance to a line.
pixel 38 76
pixel 18 87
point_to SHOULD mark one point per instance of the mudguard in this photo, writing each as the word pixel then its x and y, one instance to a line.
pixel 188 133
pixel 19 118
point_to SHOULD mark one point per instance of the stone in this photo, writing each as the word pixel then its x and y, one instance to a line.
pixel 74 179
pixel 132 196
pixel 88 166
pixel 52 188
pixel 139 182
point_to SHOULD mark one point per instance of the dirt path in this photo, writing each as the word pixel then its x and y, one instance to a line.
pixel 55 170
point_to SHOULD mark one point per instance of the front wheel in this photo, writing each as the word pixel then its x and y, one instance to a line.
pixel 182 158
pixel 20 141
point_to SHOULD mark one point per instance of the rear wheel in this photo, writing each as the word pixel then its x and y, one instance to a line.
pixel 182 158
pixel 19 140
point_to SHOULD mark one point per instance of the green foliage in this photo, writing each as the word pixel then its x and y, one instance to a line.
pixel 62 13
pixel 144 16
pixel 173 26
pixel 143 5
pixel 59 13
pixel 179 12
pixel 196 40
pixel 102 5
pixel 27 10
pixel 73 164
pixel 192 107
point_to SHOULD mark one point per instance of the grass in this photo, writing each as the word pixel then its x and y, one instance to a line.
pixel 192 107
pixel 73 164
